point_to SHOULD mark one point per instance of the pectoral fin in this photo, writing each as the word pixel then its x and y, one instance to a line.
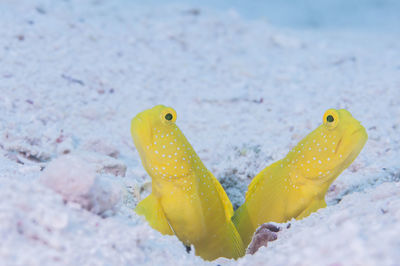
pixel 242 221
pixel 152 210
pixel 236 240
pixel 225 242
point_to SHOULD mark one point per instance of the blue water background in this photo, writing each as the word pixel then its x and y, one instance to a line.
pixel 380 15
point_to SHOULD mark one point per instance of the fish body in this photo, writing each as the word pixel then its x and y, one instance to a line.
pixel 295 186
pixel 186 199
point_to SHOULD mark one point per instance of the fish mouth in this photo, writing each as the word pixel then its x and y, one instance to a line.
pixel 353 135
pixel 359 135
pixel 356 140
pixel 357 131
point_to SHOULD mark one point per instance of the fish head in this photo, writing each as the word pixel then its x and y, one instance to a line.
pixel 163 149
pixel 331 147
pixel 149 123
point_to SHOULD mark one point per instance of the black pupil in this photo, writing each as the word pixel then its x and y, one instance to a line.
pixel 168 116
pixel 329 118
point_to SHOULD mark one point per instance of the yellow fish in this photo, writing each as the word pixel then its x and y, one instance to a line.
pixel 296 186
pixel 186 199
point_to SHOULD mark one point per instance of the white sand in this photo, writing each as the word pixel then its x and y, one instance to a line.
pixel 73 74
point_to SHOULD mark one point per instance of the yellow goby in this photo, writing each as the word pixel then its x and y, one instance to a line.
pixel 186 199
pixel 295 186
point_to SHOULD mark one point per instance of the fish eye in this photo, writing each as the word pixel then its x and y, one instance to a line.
pixel 169 116
pixel 331 118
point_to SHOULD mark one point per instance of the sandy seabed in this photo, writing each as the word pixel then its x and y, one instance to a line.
pixel 74 73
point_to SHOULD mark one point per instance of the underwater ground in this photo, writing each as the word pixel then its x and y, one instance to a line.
pixel 246 89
